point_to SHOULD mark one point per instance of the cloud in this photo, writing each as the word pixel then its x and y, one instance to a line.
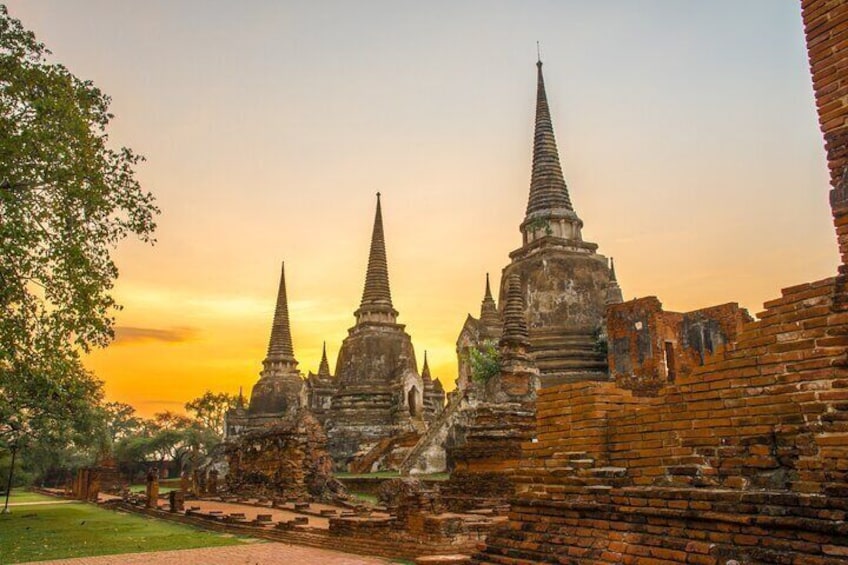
pixel 125 335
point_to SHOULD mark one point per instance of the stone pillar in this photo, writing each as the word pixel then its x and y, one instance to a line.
pixel 176 499
pixel 185 481
pixel 825 25
pixel 198 485
pixel 93 491
pixel 212 483
pixel 152 488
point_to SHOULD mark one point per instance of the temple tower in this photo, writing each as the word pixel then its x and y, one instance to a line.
pixel 564 282
pixel 278 392
pixel 379 393
pixel 478 333
pixel 320 388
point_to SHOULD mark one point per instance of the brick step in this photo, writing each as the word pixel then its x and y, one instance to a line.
pixel 573 364
pixel 579 341
pixel 567 353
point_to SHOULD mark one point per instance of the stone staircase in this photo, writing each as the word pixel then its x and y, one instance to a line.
pixel 435 435
pixel 568 356
pixel 384 453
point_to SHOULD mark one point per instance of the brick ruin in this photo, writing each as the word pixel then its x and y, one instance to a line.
pixel 289 460
pixel 723 439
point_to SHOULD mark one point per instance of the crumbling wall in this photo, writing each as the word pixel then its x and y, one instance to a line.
pixel 649 347
pixel 288 460
pixel 744 458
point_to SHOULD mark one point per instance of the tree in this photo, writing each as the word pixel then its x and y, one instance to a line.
pixel 121 421
pixel 167 437
pixel 66 200
pixel 211 408
pixel 168 421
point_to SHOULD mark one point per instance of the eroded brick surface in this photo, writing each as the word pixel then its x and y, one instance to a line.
pixel 742 456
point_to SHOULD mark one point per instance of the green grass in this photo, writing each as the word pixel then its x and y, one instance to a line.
pixel 141 489
pixel 61 531
pixel 21 495
pixel 365 497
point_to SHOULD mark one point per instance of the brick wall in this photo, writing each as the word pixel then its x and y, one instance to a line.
pixel 743 458
pixel 826 28
pixel 649 347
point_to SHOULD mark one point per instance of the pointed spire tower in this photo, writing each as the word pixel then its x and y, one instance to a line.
pixel 324 366
pixel 490 318
pixel 278 389
pixel 549 209
pixel 376 303
pixel 425 370
pixel 280 350
pixel 515 321
pixel 614 295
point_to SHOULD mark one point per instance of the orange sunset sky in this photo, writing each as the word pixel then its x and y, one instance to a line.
pixel 687 132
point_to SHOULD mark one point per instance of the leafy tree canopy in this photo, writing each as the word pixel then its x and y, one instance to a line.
pixel 66 199
pixel 211 408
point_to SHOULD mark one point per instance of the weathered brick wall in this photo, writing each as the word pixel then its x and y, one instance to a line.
pixel 649 347
pixel 486 463
pixel 288 460
pixel 826 28
pixel 742 459
pixel 747 454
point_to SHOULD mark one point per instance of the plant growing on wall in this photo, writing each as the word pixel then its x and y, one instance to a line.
pixel 541 224
pixel 485 362
pixel 601 342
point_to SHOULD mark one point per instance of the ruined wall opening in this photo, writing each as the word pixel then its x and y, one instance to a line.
pixel 413 400
pixel 671 368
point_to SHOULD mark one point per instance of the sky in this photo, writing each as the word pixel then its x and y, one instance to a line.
pixel 687 132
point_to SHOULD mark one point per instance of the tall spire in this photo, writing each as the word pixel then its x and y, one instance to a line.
pixel 488 310
pixel 324 367
pixel 280 345
pixel 614 295
pixel 377 297
pixel 425 370
pixel 488 295
pixel 549 210
pixel 547 185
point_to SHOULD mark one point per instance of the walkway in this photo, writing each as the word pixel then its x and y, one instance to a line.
pixel 251 554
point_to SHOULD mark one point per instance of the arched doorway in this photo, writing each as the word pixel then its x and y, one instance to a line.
pixel 413 400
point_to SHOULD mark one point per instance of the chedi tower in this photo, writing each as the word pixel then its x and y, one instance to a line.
pixel 278 393
pixel 379 393
pixel 564 282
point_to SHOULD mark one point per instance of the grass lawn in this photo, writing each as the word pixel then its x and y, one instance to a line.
pixel 365 497
pixel 20 495
pixel 141 489
pixel 41 532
